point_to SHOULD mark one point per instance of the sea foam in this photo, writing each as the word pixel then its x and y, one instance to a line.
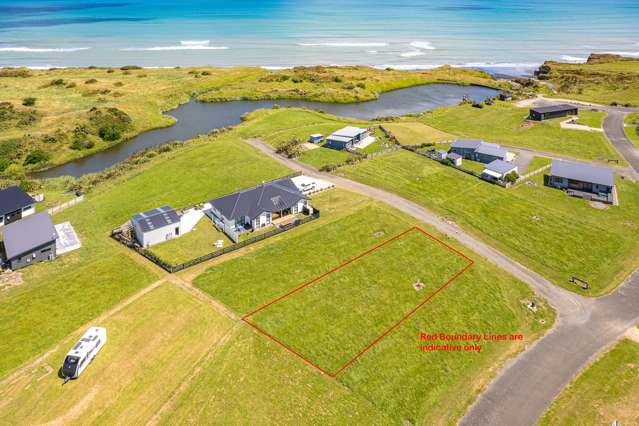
pixel 345 44
pixel 575 59
pixel 184 45
pixel 426 45
pixel 42 49
pixel 412 54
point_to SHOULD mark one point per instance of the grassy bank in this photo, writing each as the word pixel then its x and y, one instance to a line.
pixel 395 376
pixel 49 117
pixel 632 128
pixel 540 227
pixel 608 390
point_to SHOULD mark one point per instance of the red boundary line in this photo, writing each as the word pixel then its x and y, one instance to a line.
pixel 383 335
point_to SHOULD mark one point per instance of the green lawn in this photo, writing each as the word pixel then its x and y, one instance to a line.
pixel 537 163
pixel 608 390
pixel 502 123
pixel 152 347
pixel 473 166
pixel 416 133
pixel 58 297
pixel 632 131
pixel 395 376
pixel 539 226
pixel 324 156
pixel 591 118
pixel 200 241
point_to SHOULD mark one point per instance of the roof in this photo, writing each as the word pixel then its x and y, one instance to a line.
pixel 317 135
pixel 499 166
pixel 269 197
pixel 87 341
pixel 156 218
pixel 349 132
pixel 27 234
pixel 553 108
pixel 339 138
pixel 453 156
pixel 14 198
pixel 466 143
pixel 441 151
pixel 491 149
pixel 583 172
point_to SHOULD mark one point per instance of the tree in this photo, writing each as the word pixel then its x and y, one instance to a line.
pixel 35 157
pixel 511 177
pixel 29 101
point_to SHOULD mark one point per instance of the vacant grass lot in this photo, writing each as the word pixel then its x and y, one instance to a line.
pixel 591 118
pixel 152 346
pixel 537 163
pixel 608 390
pixel 374 292
pixel 200 241
pixel 502 123
pixel 58 297
pixel 395 376
pixel 415 133
pixel 553 234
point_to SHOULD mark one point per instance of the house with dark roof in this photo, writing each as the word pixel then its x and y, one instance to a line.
pixel 347 138
pixel 156 226
pixel 28 241
pixel 583 180
pixel 497 170
pixel 256 208
pixel 552 111
pixel 481 151
pixel 15 204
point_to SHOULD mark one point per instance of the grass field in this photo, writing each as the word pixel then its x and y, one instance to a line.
pixel 395 376
pixel 152 346
pixel 536 163
pixel 374 291
pixel 502 123
pixel 632 131
pixel 200 241
pixel 608 390
pixel 59 296
pixel 416 133
pixel 592 119
pixel 539 226
pixel 60 123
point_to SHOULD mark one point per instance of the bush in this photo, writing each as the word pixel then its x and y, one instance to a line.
pixel 10 149
pixel 110 132
pixel 119 84
pixel 29 101
pixel 91 81
pixel 110 123
pixel 79 144
pixel 511 177
pixel 130 67
pixel 110 71
pixel 4 163
pixel 57 82
pixel 15 72
pixel 290 149
pixel 35 157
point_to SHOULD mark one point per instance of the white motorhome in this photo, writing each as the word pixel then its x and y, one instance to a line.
pixel 83 352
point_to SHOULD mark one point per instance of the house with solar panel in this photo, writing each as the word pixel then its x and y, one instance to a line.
pixel 258 207
pixel 156 226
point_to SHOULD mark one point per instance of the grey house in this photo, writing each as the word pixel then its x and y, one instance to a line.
pixel 582 179
pixel 346 138
pixel 14 205
pixel 497 170
pixel 29 241
pixel 481 151
pixel 258 207
pixel 156 226
pixel 552 111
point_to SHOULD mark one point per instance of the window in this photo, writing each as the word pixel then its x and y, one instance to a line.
pixel 46 250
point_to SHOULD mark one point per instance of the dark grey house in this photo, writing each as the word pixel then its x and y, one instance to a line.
pixel 583 180
pixel 15 204
pixel 347 137
pixel 552 111
pixel 258 207
pixel 29 241
pixel 481 151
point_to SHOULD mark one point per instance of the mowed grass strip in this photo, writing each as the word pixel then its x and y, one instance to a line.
pixel 608 390
pixel 553 234
pixel 416 133
pixel 503 123
pixel 354 305
pixel 152 346
pixel 394 376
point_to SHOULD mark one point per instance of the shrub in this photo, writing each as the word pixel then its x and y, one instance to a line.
pixel 110 123
pixel 338 79
pixel 511 177
pixel 4 163
pixel 71 85
pixel 119 84
pixel 206 73
pixel 141 75
pixel 10 149
pixel 35 157
pixel 290 149
pixel 110 71
pixel 130 67
pixel 91 81
pixel 29 101
pixel 15 72
pixel 57 82
pixel 79 144
pixel 110 132
pixel 361 85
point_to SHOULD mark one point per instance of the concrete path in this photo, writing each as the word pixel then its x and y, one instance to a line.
pixel 527 385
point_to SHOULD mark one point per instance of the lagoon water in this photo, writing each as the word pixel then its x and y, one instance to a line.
pixel 195 118
pixel 510 36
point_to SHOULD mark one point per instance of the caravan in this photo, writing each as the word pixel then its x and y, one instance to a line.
pixel 81 355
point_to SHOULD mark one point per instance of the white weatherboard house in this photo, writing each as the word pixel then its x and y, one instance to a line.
pixel 347 138
pixel 498 170
pixel 15 204
pixel 156 226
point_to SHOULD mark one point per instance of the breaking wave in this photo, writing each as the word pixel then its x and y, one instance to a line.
pixel 42 49
pixel 345 44
pixel 425 45
pixel 184 45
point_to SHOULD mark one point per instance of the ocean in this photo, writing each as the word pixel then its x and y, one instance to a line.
pixel 510 37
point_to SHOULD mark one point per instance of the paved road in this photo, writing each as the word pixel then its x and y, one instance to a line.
pixel 528 384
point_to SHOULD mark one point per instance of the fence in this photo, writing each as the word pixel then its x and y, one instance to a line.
pixel 124 236
pixel 60 207
pixel 534 172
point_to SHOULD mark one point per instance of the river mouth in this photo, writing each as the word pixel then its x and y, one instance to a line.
pixel 197 118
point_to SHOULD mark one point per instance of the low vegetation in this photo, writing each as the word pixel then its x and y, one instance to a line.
pixel 416 133
pixel 605 79
pixel 592 119
pixel 632 128
pixel 608 390
pixel 541 227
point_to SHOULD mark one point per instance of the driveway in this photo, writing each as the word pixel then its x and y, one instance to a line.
pixel 585 327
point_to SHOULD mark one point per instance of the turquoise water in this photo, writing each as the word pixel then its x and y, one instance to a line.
pixel 511 36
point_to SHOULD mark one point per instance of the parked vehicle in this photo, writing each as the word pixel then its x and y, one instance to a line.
pixel 83 352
